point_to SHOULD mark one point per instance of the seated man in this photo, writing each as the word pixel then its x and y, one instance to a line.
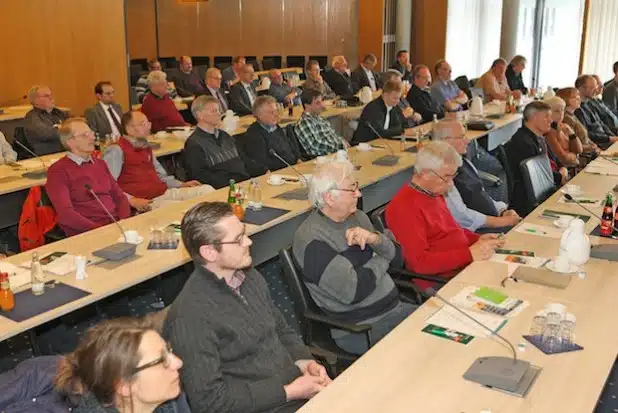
pixel 345 261
pixel 605 113
pixel 265 134
pixel 364 76
pixel 316 82
pixel 315 134
pixel 382 117
pixel 7 154
pixel 243 93
pixel 231 74
pixel 431 240
pixel 42 121
pixel 403 65
pixel 210 154
pixel 494 83
pixel 104 117
pixel 281 90
pixel 338 77
pixel 141 88
pixel 469 203
pixel 71 180
pixel 419 97
pixel 610 94
pixel 187 81
pixel 158 107
pixel 239 353
pixel 527 142
pixel 139 173
pixel 598 131
pixel 411 117
pixel 513 74
pixel 213 88
pixel 445 91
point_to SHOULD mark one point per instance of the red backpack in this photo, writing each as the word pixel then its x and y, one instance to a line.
pixel 37 218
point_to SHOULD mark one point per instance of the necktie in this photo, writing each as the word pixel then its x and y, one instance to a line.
pixel 114 118
pixel 222 104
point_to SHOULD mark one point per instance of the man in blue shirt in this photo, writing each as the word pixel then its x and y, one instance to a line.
pixel 446 91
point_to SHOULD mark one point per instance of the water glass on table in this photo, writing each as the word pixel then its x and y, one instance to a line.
pixel 255 196
pixel 551 339
pixel 567 328
pixel 538 324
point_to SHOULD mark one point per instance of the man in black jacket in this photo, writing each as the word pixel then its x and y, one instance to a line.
pixel 513 74
pixel 338 77
pixel 243 93
pixel 402 65
pixel 265 134
pixel 384 115
pixel 364 76
pixel 420 98
pixel 240 355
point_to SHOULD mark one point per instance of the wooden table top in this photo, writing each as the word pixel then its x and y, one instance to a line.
pixel 109 278
pixel 410 369
pixel 19 112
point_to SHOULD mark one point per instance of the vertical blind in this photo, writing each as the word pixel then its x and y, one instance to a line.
pixel 472 35
pixel 602 39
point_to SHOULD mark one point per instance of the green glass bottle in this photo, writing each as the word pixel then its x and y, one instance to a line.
pixel 231 195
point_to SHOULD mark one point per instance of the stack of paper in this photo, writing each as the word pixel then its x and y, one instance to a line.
pixel 18 277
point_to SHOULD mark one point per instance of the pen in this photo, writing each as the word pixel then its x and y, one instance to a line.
pixel 534 231
pixel 377 146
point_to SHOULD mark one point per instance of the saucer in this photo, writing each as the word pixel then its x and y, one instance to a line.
pixel 139 240
pixel 572 268
pixel 561 225
pixel 275 184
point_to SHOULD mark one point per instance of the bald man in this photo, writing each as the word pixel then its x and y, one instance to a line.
pixel 214 80
pixel 243 93
pixel 42 122
pixel 281 90
pixel 338 78
pixel 187 81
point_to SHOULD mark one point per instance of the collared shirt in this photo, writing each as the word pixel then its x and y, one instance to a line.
pixel 249 91
pixel 323 88
pixel 269 128
pixel 141 89
pixel 444 90
pixel 421 189
pixel 317 136
pixel 78 159
pixel 114 158
pixel 372 81
pixel 216 93
pixel 112 124
pixel 235 282
pixel 492 86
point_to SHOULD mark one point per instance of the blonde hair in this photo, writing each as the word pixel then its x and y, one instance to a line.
pixel 434 155
pixel 66 129
pixel 555 103
pixel 156 76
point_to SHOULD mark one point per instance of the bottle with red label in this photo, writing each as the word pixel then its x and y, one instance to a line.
pixel 607 218
pixel 7 299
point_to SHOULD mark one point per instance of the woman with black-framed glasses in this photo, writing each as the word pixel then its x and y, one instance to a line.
pixel 121 366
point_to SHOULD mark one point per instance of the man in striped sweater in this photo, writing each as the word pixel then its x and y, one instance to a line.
pixel 345 261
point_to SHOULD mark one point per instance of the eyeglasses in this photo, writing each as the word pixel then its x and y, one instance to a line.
pixel 238 241
pixel 165 360
pixel 354 188
pixel 447 179
pixel 87 134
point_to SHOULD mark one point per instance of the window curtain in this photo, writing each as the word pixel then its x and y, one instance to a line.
pixel 602 39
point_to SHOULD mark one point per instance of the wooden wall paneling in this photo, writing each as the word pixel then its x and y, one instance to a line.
pixel 64 51
pixel 179 27
pixel 141 28
pixel 262 28
pixel 341 24
pixel 305 27
pixel 428 31
pixel 226 27
pixel 370 29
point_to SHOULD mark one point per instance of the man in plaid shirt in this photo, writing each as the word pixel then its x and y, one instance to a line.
pixel 315 134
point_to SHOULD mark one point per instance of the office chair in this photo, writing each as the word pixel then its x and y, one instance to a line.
pixel 295 61
pixel 271 62
pixel 464 84
pixel 223 62
pixel 538 180
pixel 201 61
pixel 168 62
pixel 20 135
pixel 141 62
pixel 322 60
pixel 500 153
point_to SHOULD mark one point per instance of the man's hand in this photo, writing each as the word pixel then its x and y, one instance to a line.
pixel 516 94
pixel 613 139
pixel 141 205
pixel 304 387
pixel 481 250
pixel 408 132
pixel 451 105
pixel 189 184
pixel 407 112
pixel 314 368
pixel 565 175
pixel 510 217
pixel 361 237
pixel 417 117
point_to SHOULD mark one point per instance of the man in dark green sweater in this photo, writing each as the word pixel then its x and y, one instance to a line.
pixel 239 354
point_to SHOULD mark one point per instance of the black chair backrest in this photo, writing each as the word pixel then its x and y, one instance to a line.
pixel 500 153
pixel 20 135
pixel 200 60
pixel 378 218
pixel 252 60
pixel 298 149
pixel 271 62
pixel 322 60
pixel 135 72
pixel 168 62
pixel 295 61
pixel 223 62
pixel 464 84
pixel 538 180
pixel 477 91
pixel 142 63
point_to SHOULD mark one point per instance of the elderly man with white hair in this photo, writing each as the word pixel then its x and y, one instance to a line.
pixel 158 107
pixel 42 122
pixel 469 203
pixel 338 77
pixel 345 261
pixel 431 240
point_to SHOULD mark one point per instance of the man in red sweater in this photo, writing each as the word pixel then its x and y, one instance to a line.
pixel 158 107
pixel 67 181
pixel 431 240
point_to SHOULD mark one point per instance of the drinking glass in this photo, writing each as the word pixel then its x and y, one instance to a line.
pixel 255 196
pixel 538 324
pixel 551 338
pixel 567 327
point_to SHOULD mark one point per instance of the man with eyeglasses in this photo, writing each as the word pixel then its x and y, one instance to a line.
pixel 431 240
pixel 445 91
pixel 345 260
pixel 42 122
pixel 104 117
pixel 239 354
pixel 419 97
pixel 469 203
pixel 72 179
pixel 138 172
pixel 213 88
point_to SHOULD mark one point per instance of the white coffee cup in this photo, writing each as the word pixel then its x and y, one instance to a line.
pixel 555 308
pixel 275 179
pixel 342 155
pixel 561 263
pixel 564 221
pixel 364 147
pixel 132 236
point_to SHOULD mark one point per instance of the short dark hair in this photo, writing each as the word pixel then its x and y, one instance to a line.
pixel 98 88
pixel 370 58
pixel 392 86
pixel 311 63
pixel 125 119
pixel 237 59
pixel 438 64
pixel 199 227
pixel 498 61
pixel 615 67
pixel 309 95
pixel 534 107
pixel 417 69
pixel 152 62
pixel 581 80
pixel 400 52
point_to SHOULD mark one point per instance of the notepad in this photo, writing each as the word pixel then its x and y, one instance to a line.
pixel 490 295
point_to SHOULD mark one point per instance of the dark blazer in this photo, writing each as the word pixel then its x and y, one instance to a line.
pixel 224 97
pixel 360 79
pixel 472 191
pixel 97 118
pixel 340 83
pixel 423 103
pixel 188 84
pixel 407 75
pixel 256 143
pixel 375 114
pixel 239 99
pixel 515 81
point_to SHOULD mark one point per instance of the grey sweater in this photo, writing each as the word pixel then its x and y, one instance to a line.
pixel 346 282
pixel 237 353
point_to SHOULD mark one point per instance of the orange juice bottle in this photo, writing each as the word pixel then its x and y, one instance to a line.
pixel 7 299
pixel 238 210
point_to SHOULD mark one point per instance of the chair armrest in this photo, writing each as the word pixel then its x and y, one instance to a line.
pixel 407 274
pixel 329 321
pixel 491 179
pixel 329 357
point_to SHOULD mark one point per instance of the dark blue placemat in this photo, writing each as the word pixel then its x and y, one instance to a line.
pixel 263 216
pixel 536 341
pixel 386 160
pixel 412 149
pixel 597 231
pixel 298 194
pixel 28 305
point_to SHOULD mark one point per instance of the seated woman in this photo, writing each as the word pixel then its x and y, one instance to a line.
pixel 572 100
pixel 120 366
pixel 561 138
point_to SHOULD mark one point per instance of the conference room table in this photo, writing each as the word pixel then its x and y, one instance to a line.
pixel 378 184
pixel 410 370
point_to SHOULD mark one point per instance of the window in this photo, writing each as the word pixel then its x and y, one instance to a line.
pixel 473 35
pixel 601 40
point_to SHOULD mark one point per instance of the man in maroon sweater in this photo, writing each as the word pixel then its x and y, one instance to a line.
pixel 431 240
pixel 76 208
pixel 158 107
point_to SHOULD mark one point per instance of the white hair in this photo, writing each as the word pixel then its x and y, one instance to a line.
pixel 556 103
pixel 34 91
pixel 326 178
pixel 444 129
pixel 434 155
pixel 156 76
